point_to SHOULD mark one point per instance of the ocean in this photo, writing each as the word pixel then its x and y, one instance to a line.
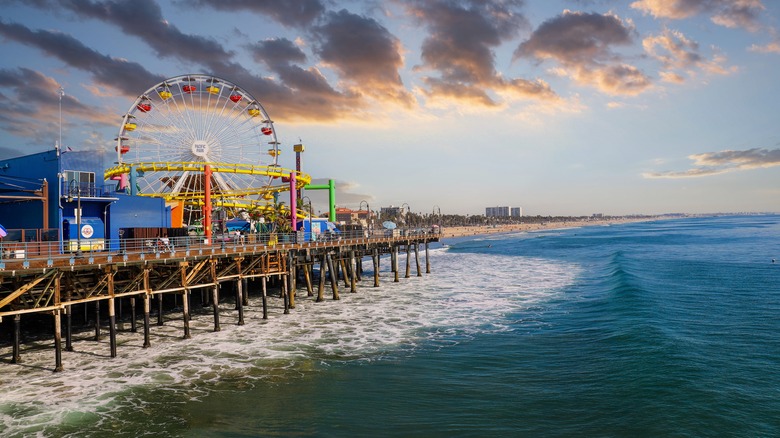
pixel 660 328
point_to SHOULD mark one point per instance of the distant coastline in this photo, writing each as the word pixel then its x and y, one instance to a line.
pixel 451 232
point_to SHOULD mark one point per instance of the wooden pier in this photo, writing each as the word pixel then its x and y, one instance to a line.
pixel 47 285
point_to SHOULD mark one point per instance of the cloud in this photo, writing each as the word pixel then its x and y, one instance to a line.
pixel 679 54
pixel 714 163
pixel 729 13
pixel 583 44
pixel 773 47
pixel 29 107
pixel 460 48
pixel 124 76
pixel 364 53
pixel 295 13
pixel 144 19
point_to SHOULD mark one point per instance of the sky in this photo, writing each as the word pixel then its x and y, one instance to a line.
pixel 570 107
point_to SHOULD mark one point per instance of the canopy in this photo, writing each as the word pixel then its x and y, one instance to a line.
pixel 389 225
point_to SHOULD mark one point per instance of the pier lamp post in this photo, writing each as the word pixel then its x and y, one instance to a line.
pixel 73 183
pixel 370 221
pixel 311 212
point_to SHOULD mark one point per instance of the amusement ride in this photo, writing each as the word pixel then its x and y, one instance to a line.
pixel 202 142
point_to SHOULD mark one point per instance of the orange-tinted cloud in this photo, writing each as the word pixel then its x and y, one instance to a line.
pixel 459 51
pixel 679 56
pixel 364 53
pixel 582 43
pixel 729 13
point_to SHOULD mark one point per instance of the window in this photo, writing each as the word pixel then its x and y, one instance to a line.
pixel 76 180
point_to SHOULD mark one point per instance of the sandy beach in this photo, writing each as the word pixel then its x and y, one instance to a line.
pixel 496 229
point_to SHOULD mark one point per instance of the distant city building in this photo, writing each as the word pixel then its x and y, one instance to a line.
pixel 517 212
pixel 598 215
pixel 497 211
pixel 348 216
pixel 391 211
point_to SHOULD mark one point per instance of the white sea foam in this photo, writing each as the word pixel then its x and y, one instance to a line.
pixel 465 294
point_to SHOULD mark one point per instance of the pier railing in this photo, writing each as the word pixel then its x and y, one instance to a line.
pixel 24 252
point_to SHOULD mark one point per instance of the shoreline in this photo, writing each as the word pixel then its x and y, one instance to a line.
pixel 482 230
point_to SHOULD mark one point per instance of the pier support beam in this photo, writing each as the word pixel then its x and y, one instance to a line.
pixel 112 326
pixel 408 260
pixel 147 308
pixel 133 327
pixel 68 328
pixel 334 281
pixel 427 259
pixel 291 276
pixel 159 310
pixel 375 259
pixel 321 285
pixel 352 272
pixel 16 357
pixel 57 341
pixel 345 273
pixel 265 298
pixel 185 313
pixel 97 321
pixel 417 259
pixel 245 294
pixel 215 306
pixel 395 263
pixel 307 276
pixel 240 299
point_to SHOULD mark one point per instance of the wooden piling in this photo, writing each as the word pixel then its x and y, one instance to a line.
pixel 265 299
pixel 112 326
pixel 133 327
pixel 57 341
pixel 427 259
pixel 334 282
pixel 345 273
pixel 215 306
pixel 159 310
pixel 321 285
pixel 395 263
pixel 68 328
pixel 16 357
pixel 285 297
pixel 352 272
pixel 408 260
pixel 291 278
pixel 97 321
pixel 185 314
pixel 147 309
pixel 417 260
pixel 375 259
pixel 307 276
pixel 240 300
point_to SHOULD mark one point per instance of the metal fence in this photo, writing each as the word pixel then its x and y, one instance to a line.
pixel 16 246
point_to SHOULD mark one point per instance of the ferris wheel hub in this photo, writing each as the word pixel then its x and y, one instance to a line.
pixel 200 148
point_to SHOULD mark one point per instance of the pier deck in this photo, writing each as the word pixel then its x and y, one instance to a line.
pixel 52 284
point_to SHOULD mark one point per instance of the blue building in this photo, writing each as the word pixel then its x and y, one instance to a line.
pixel 43 194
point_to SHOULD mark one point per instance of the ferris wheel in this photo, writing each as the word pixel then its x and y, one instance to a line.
pixel 178 127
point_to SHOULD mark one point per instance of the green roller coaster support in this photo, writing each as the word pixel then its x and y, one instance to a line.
pixel 331 188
